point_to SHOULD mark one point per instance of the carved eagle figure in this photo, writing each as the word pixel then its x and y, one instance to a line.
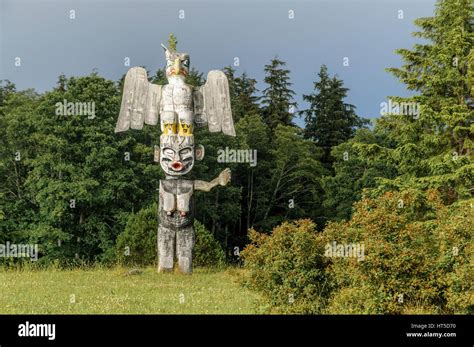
pixel 177 105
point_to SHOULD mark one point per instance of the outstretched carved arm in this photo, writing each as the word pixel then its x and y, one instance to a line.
pixel 222 179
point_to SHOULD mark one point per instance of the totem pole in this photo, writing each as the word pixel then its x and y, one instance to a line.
pixel 179 107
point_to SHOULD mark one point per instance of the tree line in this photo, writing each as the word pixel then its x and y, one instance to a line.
pixel 70 184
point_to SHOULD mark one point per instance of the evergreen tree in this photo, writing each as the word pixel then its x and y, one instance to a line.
pixel 431 148
pixel 242 93
pixel 436 145
pixel 277 99
pixel 329 121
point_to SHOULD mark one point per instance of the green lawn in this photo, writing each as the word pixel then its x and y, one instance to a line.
pixel 106 291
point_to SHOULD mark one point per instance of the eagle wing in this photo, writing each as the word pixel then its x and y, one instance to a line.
pixel 212 104
pixel 140 101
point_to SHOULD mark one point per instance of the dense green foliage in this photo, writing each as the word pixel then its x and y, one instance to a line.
pixel 69 181
pixel 416 259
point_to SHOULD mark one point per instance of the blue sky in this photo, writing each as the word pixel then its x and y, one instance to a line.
pixel 214 33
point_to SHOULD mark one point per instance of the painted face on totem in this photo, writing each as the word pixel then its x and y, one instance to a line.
pixel 177 64
pixel 177 154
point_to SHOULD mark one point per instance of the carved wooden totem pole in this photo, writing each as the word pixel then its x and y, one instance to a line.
pixel 179 107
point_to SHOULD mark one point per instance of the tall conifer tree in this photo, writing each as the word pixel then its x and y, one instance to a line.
pixel 329 120
pixel 277 99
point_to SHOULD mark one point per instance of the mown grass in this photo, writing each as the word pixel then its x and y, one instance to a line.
pixel 114 291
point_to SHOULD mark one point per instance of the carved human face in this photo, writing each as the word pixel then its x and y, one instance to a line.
pixel 177 64
pixel 176 154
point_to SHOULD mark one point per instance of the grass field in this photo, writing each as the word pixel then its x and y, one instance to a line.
pixel 107 291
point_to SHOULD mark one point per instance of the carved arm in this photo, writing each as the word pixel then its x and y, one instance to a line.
pixel 222 179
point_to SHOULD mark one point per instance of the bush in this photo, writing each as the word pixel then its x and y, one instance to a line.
pixel 137 243
pixel 139 238
pixel 288 268
pixel 207 250
pixel 356 300
pixel 415 260
pixel 416 256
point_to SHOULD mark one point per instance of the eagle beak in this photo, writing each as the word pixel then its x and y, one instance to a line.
pixel 176 66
